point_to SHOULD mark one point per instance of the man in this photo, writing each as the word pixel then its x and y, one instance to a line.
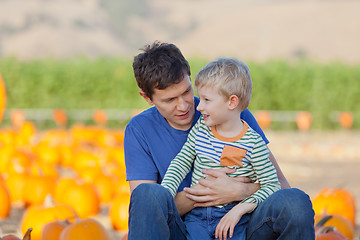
pixel 155 136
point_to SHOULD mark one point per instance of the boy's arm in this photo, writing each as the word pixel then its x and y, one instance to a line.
pixel 181 165
pixel 265 173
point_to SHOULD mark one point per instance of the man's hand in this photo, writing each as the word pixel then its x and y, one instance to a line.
pixel 218 188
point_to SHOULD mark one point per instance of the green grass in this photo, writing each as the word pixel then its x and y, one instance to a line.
pixel 108 83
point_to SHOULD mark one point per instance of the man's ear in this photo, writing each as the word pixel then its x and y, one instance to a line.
pixel 147 99
pixel 233 102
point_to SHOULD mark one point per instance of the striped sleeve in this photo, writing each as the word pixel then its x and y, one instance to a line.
pixel 265 171
pixel 181 165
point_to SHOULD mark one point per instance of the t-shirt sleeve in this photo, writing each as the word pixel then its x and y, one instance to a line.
pixel 138 160
pixel 247 116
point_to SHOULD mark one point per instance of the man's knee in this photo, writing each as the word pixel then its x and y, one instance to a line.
pixel 150 193
pixel 294 202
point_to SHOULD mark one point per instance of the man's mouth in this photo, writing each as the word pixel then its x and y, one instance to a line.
pixel 205 116
pixel 183 116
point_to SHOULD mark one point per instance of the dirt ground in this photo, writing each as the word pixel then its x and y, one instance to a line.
pixel 315 160
pixel 310 161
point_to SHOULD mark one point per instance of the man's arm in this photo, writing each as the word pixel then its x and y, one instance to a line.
pixel 134 183
pixel 219 188
pixel 284 183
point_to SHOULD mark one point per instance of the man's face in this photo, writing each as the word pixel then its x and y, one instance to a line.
pixel 175 103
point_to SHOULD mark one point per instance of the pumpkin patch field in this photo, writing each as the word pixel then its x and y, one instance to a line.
pixel 59 181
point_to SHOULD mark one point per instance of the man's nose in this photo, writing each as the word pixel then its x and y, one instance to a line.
pixel 182 104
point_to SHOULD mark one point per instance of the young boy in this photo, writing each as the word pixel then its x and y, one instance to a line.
pixel 221 139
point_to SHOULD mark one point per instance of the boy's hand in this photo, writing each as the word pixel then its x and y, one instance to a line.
pixel 230 219
pixel 227 224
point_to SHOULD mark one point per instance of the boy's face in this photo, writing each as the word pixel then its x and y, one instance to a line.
pixel 175 103
pixel 213 106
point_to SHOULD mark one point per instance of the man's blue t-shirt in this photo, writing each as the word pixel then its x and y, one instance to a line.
pixel 151 143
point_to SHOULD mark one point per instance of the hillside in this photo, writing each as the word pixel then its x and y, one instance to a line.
pixel 249 29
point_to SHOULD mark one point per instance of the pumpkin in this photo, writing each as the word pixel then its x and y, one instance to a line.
pixel 263 118
pixel 341 223
pixel 100 117
pixel 119 212
pixel 52 230
pixel 2 98
pixel 104 186
pixel 83 198
pixel 303 121
pixel 86 229
pixel 335 201
pixel 329 233
pixel 60 117
pixel 15 184
pixel 36 189
pixel 17 118
pixel 346 120
pixel 5 202
pixel 37 216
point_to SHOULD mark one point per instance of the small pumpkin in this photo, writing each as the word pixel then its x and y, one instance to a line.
pixel 100 117
pixel 264 119
pixel 303 121
pixel 2 98
pixel 341 223
pixel 52 230
pixel 84 229
pixel 60 117
pixel 5 202
pixel 346 119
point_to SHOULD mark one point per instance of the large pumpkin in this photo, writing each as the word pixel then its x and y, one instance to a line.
pixel 119 212
pixel 335 201
pixel 37 216
pixel 82 197
pixel 87 229
pixel 2 98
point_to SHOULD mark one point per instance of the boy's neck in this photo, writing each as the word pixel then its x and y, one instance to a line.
pixel 231 128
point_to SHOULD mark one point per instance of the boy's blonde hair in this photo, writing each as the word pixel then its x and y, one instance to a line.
pixel 231 76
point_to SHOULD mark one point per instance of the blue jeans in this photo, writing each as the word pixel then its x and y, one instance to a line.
pixel 201 223
pixel 286 214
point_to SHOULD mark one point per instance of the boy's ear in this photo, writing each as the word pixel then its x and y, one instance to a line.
pixel 233 102
pixel 147 99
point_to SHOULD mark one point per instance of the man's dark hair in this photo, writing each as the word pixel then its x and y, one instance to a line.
pixel 159 66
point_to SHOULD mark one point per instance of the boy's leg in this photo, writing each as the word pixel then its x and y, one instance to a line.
pixel 196 223
pixel 240 228
pixel 286 214
pixel 153 214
